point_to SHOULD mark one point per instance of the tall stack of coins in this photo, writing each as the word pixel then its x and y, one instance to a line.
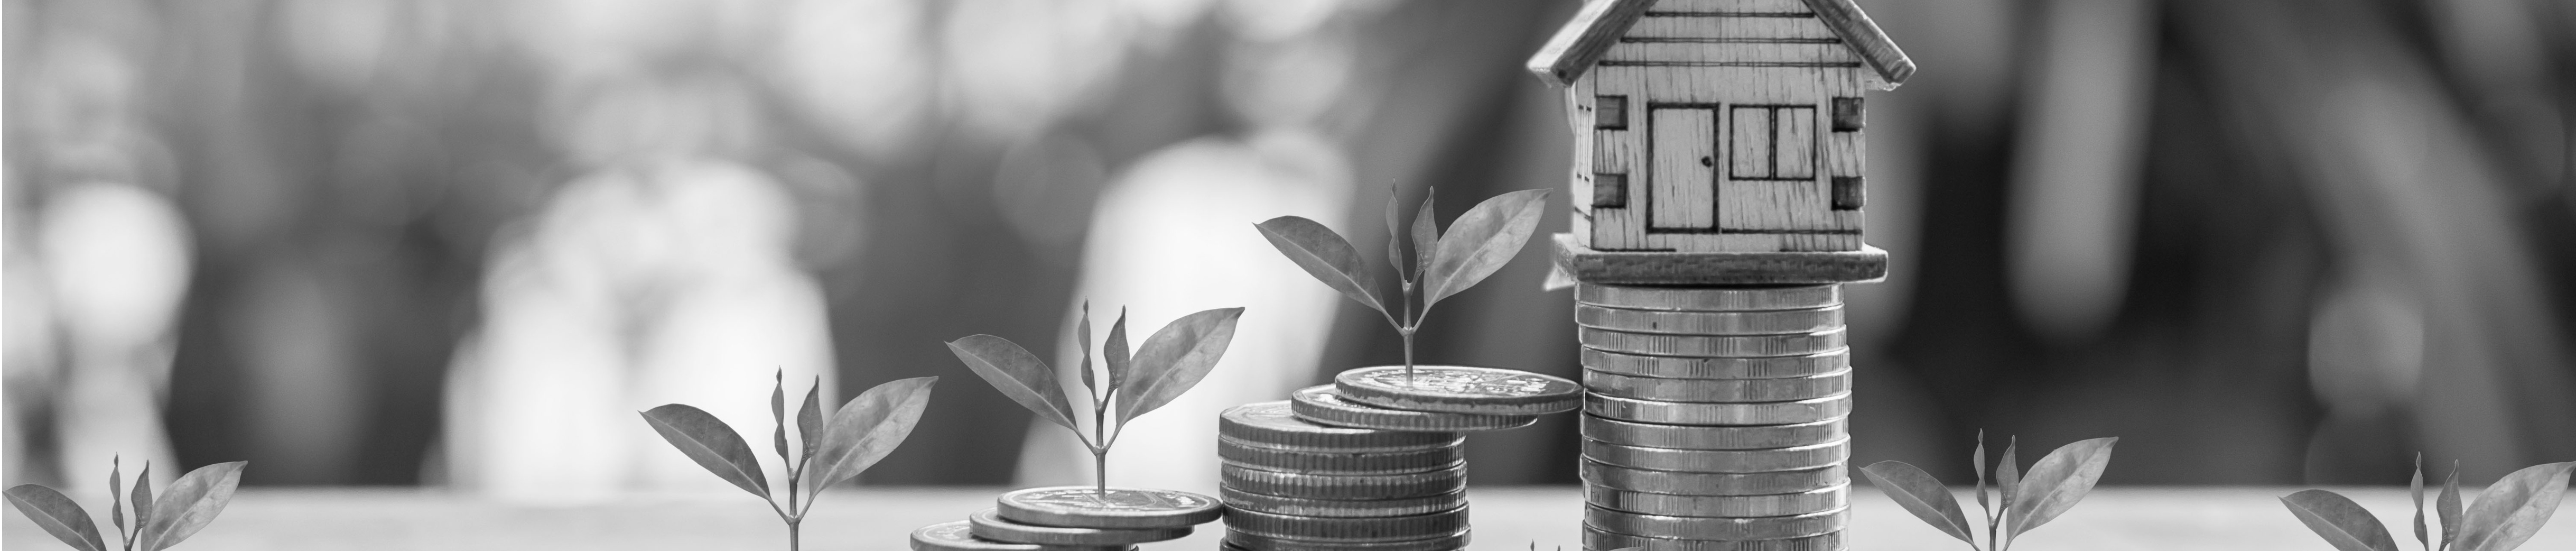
pixel 1072 518
pixel 1715 417
pixel 1373 462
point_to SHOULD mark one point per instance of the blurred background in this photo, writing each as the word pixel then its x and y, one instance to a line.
pixel 456 243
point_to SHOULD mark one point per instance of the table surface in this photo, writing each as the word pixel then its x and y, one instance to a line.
pixel 1515 518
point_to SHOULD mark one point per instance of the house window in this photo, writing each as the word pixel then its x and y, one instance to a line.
pixel 1847 114
pixel 1772 142
pixel 1610 112
pixel 1609 191
pixel 1847 194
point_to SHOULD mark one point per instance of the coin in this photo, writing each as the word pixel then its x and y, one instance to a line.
pixel 1718 528
pixel 1088 507
pixel 1718 390
pixel 1249 542
pixel 1325 486
pixel 1598 540
pixel 1688 413
pixel 1362 529
pixel 1774 505
pixel 1726 346
pixel 1701 367
pixel 1456 389
pixel 1276 459
pixel 1758 322
pixel 1310 507
pixel 1323 404
pixel 988 524
pixel 1596 473
pixel 1274 424
pixel 960 536
pixel 1718 461
pixel 1730 298
pixel 1701 437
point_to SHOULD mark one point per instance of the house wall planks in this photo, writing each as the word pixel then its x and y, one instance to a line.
pixel 1748 54
pixel 1737 6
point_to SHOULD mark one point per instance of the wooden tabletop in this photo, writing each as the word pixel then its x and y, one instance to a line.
pixel 2112 519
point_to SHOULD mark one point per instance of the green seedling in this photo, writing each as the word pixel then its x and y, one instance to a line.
pixel 159 521
pixel 1476 245
pixel 1169 363
pixel 2022 502
pixel 2506 513
pixel 860 433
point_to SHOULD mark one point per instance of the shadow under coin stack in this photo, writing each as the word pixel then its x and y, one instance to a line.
pixel 1714 419
pixel 1072 518
pixel 1339 467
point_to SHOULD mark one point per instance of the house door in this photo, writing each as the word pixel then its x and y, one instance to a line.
pixel 1683 193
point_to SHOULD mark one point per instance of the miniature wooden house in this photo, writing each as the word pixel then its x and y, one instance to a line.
pixel 1719 125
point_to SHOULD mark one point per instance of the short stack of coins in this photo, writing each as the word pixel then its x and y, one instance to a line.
pixel 1073 518
pixel 1294 485
pixel 1714 417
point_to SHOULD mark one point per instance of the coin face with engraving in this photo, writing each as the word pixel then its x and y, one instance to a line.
pixel 989 524
pixel 1324 404
pixel 1090 507
pixel 1457 389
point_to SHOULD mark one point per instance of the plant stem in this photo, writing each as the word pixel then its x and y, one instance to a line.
pixel 1411 322
pixel 791 533
pixel 1100 471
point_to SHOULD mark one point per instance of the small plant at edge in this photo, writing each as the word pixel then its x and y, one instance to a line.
pixel 1476 245
pixel 2022 502
pixel 860 433
pixel 2506 514
pixel 1170 362
pixel 159 521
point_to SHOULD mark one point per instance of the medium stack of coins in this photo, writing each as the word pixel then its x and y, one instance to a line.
pixel 1714 418
pixel 1293 485
pixel 1373 462
pixel 1072 518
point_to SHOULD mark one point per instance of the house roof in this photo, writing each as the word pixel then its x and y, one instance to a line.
pixel 1582 42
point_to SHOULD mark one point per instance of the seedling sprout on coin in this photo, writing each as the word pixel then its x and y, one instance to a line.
pixel 860 433
pixel 1476 245
pixel 2052 486
pixel 159 521
pixel 1171 361
pixel 2506 514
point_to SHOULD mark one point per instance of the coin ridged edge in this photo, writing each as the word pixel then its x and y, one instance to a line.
pixel 1596 473
pixel 1253 542
pixel 1736 461
pixel 1723 346
pixel 1699 413
pixel 1709 299
pixel 1750 322
pixel 1704 367
pixel 1358 385
pixel 1769 505
pixel 1597 539
pixel 1753 528
pixel 1711 437
pixel 1731 391
pixel 1017 511
pixel 1342 508
pixel 1298 461
pixel 1324 405
pixel 1359 529
pixel 1328 486
pixel 988 524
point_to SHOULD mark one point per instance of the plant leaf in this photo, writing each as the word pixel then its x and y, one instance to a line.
pixel 190 503
pixel 1395 233
pixel 2342 523
pixel 1978 461
pixel 710 442
pixel 1325 255
pixel 2057 481
pixel 1115 351
pixel 871 426
pixel 58 515
pixel 2449 507
pixel 2509 511
pixel 1922 495
pixel 1018 374
pixel 778 414
pixel 1082 338
pixel 1175 358
pixel 809 421
pixel 142 498
pixel 1481 241
pixel 2007 485
pixel 2415 490
pixel 1426 235
pixel 116 494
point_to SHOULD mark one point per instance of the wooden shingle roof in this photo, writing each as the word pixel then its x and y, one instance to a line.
pixel 1582 42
